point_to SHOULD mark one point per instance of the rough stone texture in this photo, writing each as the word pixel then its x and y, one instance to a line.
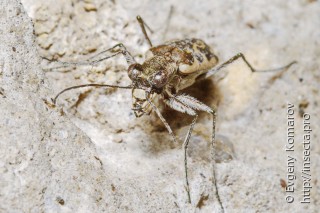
pixel 90 154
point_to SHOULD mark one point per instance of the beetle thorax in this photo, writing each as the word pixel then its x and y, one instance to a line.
pixel 158 71
pixel 158 64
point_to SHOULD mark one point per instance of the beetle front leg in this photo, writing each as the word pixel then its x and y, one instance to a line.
pixel 163 120
pixel 185 143
pixel 115 50
pixel 104 55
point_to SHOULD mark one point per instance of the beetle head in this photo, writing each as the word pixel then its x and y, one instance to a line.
pixel 152 75
pixel 148 80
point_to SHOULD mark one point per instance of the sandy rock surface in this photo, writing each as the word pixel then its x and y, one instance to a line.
pixel 90 154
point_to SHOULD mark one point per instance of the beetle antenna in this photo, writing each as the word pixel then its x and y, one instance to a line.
pixel 90 85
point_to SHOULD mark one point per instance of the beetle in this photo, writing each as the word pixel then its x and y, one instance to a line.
pixel 169 68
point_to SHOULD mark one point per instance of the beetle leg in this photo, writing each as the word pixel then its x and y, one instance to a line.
pixel 167 23
pixel 213 153
pixel 143 25
pixel 189 105
pixel 155 108
pixel 186 141
pixel 104 55
pixel 175 104
pixel 241 56
pixel 185 147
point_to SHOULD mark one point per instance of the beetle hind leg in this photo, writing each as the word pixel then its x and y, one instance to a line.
pixel 241 56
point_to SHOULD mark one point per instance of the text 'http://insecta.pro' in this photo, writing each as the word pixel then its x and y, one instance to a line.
pixel 168 68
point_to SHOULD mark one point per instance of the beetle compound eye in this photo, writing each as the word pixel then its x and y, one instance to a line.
pixel 159 80
pixel 134 74
pixel 134 71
